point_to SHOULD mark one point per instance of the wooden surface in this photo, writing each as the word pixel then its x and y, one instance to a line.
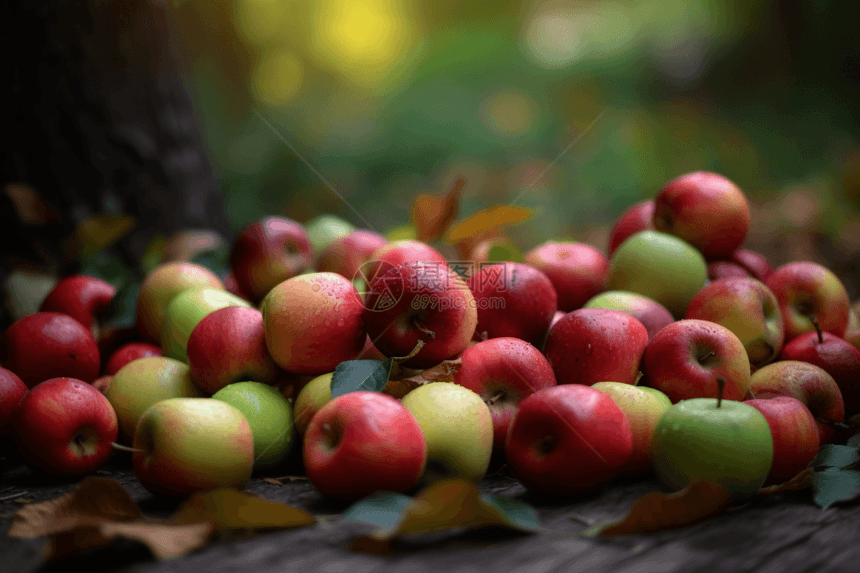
pixel 784 533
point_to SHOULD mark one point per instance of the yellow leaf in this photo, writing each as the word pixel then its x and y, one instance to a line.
pixel 229 508
pixel 488 220
pixel 431 216
pixel 101 231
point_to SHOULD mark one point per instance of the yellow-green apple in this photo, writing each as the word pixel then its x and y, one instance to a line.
pixel 84 298
pixel 315 395
pixel 749 309
pixel 637 217
pixel 568 439
pixel 596 345
pixel 65 427
pixel 51 345
pixel 706 210
pixel 795 436
pixel 661 267
pixel 494 250
pixel 643 409
pixel 313 323
pixel 12 389
pixel 458 427
pixel 270 416
pixel 325 228
pixel 576 270
pixel 653 315
pixel 228 346
pixel 852 332
pixel 128 353
pixel 808 383
pixel 188 445
pixel 726 441
pixel 503 371
pixel 806 291
pixel 140 384
pixel 160 286
pixel 268 252
pixel 833 354
pixel 685 359
pixel 424 301
pixel 185 312
pixel 345 255
pixel 513 299
pixel 363 442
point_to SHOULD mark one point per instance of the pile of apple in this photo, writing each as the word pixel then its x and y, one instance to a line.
pixel 683 353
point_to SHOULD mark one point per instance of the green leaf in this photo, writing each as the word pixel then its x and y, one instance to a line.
pixel 355 375
pixel 517 514
pixel 382 509
pixel 151 257
pixel 834 485
pixel 833 456
pixel 854 441
pixel 107 267
pixel 123 306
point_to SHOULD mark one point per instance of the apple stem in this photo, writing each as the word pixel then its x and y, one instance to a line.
pixel 834 425
pixel 494 398
pixel 423 329
pixel 721 385
pixel 121 448
pixel 814 322
pixel 638 378
pixel 706 356
pixel 418 346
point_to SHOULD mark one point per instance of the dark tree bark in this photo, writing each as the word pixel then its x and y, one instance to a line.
pixel 100 122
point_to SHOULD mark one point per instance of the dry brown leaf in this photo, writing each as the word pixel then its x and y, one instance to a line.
pixel 29 205
pixel 802 480
pixel 657 511
pixel 431 216
pixel 442 372
pixel 486 221
pixel 229 508
pixel 273 481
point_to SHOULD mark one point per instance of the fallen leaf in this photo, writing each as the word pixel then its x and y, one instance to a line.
pixel 354 375
pixel 446 505
pixel 800 481
pixel 834 486
pixel 835 456
pixel 273 481
pixel 228 508
pixel 658 511
pixel 29 205
pixel 431 216
pixel 488 220
pixel 442 372
pixel 100 232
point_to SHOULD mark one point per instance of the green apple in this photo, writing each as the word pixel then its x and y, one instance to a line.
pixel 725 441
pixel 325 228
pixel 192 444
pixel 643 409
pixel 143 382
pixel 658 394
pixel 458 427
pixel 186 310
pixel 270 415
pixel 311 398
pixel 659 266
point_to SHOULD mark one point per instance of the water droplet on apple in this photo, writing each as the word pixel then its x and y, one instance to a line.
pixel 588 349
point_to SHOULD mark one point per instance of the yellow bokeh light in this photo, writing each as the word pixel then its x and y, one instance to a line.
pixel 277 78
pixel 363 39
pixel 262 20
pixel 509 113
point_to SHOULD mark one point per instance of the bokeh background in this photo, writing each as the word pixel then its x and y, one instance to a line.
pixel 386 99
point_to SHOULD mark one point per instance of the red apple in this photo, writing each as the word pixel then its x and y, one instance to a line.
pixel 795 436
pixel 636 218
pixel 398 253
pixel 568 439
pixel 227 346
pixel 268 252
pixel 313 323
pixel 833 354
pixel 363 442
pixel 65 427
pixel 596 345
pixel 50 345
pixel 809 384
pixel 345 255
pixel 576 270
pixel 754 262
pixel 653 315
pixel 86 299
pixel 231 285
pixel 807 290
pixel 370 352
pixel 685 359
pixel 420 301
pixel 12 389
pixel 749 309
pixel 513 299
pixel 725 270
pixel 706 210
pixel 129 352
pixel 503 371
